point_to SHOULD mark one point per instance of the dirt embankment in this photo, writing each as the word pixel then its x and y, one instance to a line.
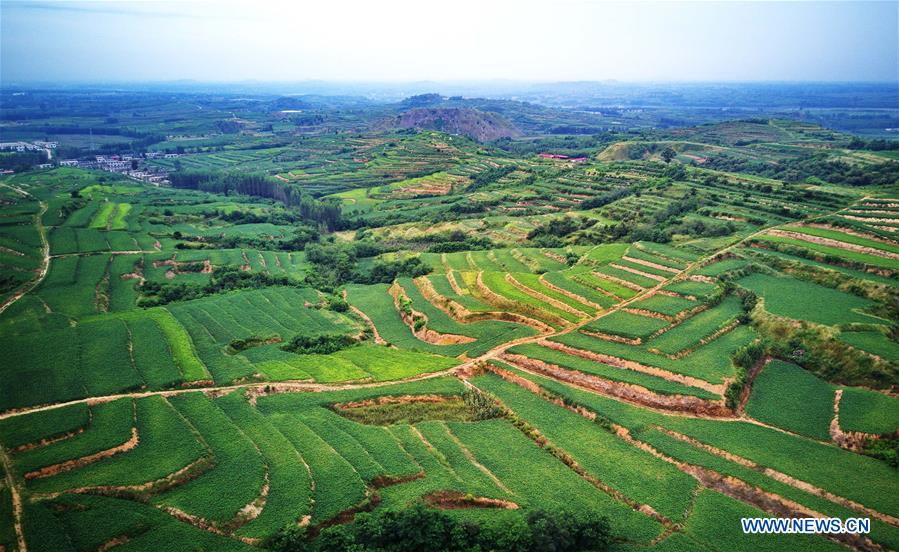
pixel 371 325
pixel 464 316
pixel 570 294
pixel 627 392
pixel 750 379
pixel 418 321
pixel 728 485
pixel 835 243
pixel 650 264
pixel 395 399
pixel 493 298
pixel 690 381
pixel 544 298
pixel 851 440
pixel 75 463
pixel 704 341
pixel 619 281
pixel 537 437
pixel 454 500
pixel 649 275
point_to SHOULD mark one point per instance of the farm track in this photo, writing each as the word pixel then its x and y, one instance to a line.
pixel 16 500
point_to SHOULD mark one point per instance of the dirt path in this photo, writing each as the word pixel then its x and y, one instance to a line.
pixel 16 500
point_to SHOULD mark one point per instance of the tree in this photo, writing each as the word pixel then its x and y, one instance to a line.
pixel 668 154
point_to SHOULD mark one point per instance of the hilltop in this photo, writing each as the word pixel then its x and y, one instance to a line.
pixel 479 125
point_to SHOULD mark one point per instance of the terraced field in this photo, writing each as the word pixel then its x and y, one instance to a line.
pixel 483 332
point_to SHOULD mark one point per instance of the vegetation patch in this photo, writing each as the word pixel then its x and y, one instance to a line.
pixel 323 344
pixel 389 410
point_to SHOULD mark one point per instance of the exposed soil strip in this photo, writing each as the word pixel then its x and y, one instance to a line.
pixel 541 297
pixel 835 243
pixel 69 465
pixel 690 381
pixel 728 485
pixel 451 278
pixel 649 314
pixel 537 437
pixel 851 232
pixel 423 332
pixel 850 440
pixel 464 316
pixel 786 479
pixel 612 337
pixel 704 341
pixel 555 256
pixel 16 500
pixel 619 281
pixel 525 260
pixel 454 500
pixel 491 297
pixel 394 399
pixel 569 294
pixel 750 379
pixel 627 392
pixel 374 330
pixel 649 275
pixel 56 438
pixel 650 264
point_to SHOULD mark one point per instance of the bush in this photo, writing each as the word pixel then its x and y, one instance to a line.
pixel 319 345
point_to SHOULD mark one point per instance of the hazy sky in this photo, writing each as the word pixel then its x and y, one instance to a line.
pixel 381 40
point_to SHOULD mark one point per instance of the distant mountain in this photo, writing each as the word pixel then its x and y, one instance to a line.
pixel 475 124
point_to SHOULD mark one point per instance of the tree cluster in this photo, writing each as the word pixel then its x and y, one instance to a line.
pixel 420 528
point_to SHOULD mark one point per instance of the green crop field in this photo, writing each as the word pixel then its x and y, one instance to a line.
pixel 304 321
pixel 787 396
pixel 793 298
pixel 626 325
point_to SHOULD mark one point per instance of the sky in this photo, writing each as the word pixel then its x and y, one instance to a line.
pixel 448 40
